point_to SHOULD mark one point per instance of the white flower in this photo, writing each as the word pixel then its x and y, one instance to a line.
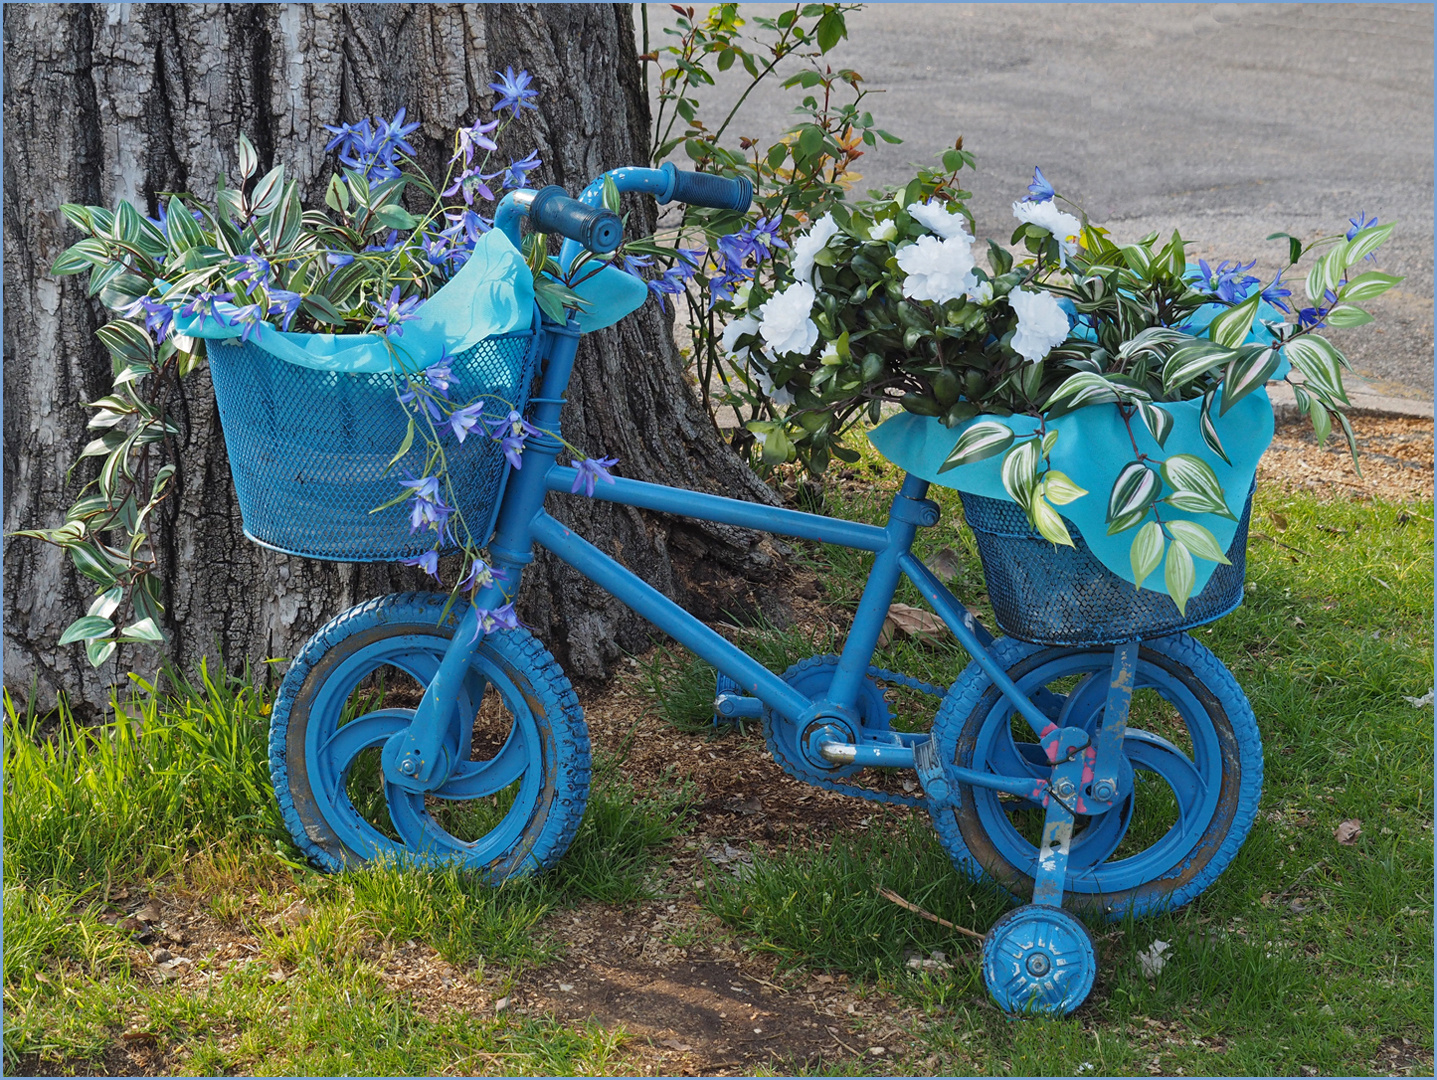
pixel 745 324
pixel 785 324
pixel 883 230
pixel 808 245
pixel 945 224
pixel 938 270
pixel 983 294
pixel 829 356
pixel 1046 215
pixel 1041 323
pixel 764 381
pixel 740 295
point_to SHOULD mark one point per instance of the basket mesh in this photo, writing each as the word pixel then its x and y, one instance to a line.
pixel 1054 595
pixel 309 450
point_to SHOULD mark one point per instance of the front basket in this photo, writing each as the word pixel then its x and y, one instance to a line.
pixel 310 450
pixel 1054 595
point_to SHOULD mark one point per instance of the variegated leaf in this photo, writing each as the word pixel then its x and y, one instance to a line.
pixel 1189 361
pixel 1050 440
pixel 1209 429
pixel 1020 472
pixel 1198 540
pixel 1366 242
pixel 1159 421
pixel 1059 489
pixel 1231 327
pixel 1321 423
pixel 1367 286
pixel 982 440
pixel 1245 374
pixel 1136 488
pixel 1195 486
pixel 1180 575
pixel 1351 439
pixel 1153 340
pixel 1084 388
pixel 1344 316
pixel 1319 362
pixel 1146 552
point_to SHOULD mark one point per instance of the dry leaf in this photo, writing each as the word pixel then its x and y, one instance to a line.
pixel 1278 520
pixel 674 1044
pixel 945 564
pixel 149 913
pixel 1348 832
pixel 916 623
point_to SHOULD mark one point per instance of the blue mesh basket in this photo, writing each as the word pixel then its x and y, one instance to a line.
pixel 1054 595
pixel 309 450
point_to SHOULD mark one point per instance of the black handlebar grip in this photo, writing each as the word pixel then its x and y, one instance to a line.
pixel 705 189
pixel 597 229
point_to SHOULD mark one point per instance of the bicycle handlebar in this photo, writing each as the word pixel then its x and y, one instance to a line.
pixel 597 229
pixel 705 189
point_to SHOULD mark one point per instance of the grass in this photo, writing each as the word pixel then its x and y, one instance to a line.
pixel 1306 953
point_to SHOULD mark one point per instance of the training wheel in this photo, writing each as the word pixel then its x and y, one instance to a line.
pixel 1040 960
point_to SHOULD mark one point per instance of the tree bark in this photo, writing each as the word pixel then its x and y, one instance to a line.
pixel 121 101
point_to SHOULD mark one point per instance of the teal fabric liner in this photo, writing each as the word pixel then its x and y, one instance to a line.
pixel 492 294
pixel 611 294
pixel 1092 448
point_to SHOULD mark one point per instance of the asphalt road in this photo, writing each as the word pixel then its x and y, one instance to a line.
pixel 1229 121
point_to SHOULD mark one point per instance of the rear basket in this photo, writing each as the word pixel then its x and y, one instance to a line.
pixel 1050 594
pixel 310 450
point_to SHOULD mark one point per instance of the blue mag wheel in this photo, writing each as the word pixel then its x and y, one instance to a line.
pixel 1040 961
pixel 1192 769
pixel 516 798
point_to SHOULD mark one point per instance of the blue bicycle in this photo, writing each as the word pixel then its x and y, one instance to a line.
pixel 1097 760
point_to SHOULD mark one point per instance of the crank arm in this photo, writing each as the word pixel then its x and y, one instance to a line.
pixel 1100 786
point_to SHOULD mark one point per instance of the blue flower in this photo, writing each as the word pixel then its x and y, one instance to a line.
pixel 513 90
pixel 203 305
pixel 481 575
pixel 633 263
pixel 283 302
pixel 511 431
pixel 590 471
pixel 475 136
pixel 250 317
pixel 462 421
pixel 466 223
pixel 389 316
pixel 439 376
pixel 763 237
pixel 1229 282
pixel 159 318
pixel 427 508
pixel 500 618
pixel 371 150
pixel 338 258
pixel 256 269
pixel 1275 293
pixel 672 282
pixel 1359 223
pixel 428 562
pixel 1039 190
pixel 518 171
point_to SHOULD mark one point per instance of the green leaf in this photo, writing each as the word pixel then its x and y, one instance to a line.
pixel 831 30
pixel 336 195
pixel 1367 286
pixel 1198 540
pixel 80 256
pixel 1245 374
pixel 1083 388
pixel 404 446
pixel 1146 552
pixel 1179 574
pixel 1049 525
pixel 127 342
pixel 248 159
pixel 321 308
pixel 777 154
pixel 85 628
pixel 1346 315
pixel 1059 489
pixel 1195 486
pixel 185 232
pixel 1366 242
pixel 1136 489
pixel 1321 423
pixel 395 217
pixel 611 194
pixel 286 219
pixel 982 440
pixel 143 630
pixel 1231 327
pixel 129 225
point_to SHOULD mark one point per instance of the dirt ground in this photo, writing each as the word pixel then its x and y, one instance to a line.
pixel 671 974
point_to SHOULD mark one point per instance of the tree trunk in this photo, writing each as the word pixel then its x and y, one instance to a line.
pixel 118 102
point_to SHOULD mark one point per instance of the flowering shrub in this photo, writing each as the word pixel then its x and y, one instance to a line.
pixel 255 257
pixel 886 301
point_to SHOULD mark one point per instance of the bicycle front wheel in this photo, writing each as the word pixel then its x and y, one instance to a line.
pixel 512 803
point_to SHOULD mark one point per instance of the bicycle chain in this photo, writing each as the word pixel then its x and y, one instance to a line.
pixel 852 789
